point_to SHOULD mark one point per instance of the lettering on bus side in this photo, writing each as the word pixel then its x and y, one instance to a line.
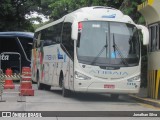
pixel 4 57
pixel 109 16
pixel 50 57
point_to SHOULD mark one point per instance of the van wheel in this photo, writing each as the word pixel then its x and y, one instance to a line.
pixel 114 96
pixel 65 92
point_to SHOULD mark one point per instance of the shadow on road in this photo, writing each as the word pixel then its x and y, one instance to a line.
pixel 91 97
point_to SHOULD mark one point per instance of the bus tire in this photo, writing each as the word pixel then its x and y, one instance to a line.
pixel 39 85
pixel 34 82
pixel 65 92
pixel 114 96
pixel 47 87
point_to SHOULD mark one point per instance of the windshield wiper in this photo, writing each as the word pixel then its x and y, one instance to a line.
pixel 119 52
pixel 104 47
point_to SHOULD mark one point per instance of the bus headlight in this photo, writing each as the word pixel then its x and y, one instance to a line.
pixel 134 78
pixel 81 76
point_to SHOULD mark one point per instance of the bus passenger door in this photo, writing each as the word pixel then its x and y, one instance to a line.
pixel 71 76
pixel 52 72
pixel 56 77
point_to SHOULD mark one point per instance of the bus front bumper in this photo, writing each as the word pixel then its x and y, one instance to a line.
pixel 122 87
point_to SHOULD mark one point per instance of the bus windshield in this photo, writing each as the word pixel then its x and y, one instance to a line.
pixel 108 44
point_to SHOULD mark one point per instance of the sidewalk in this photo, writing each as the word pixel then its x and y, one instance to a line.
pixel 142 97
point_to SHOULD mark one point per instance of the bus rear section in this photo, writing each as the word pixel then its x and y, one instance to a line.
pixel 19 43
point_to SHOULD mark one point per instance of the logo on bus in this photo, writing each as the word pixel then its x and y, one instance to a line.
pixel 60 56
pixel 111 72
pixel 109 16
pixel 4 57
pixel 50 57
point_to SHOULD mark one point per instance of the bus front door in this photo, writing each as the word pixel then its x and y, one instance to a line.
pixel 71 76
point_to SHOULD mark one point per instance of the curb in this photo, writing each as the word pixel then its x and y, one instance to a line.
pixel 146 101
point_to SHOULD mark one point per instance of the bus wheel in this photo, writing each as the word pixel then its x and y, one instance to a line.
pixel 114 96
pixel 47 87
pixel 65 92
pixel 39 85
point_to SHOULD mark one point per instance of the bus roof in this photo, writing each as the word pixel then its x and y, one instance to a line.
pixel 92 13
pixel 17 34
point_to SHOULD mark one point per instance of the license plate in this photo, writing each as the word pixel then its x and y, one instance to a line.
pixel 109 86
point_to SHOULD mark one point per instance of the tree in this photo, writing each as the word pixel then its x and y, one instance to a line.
pixel 130 8
pixel 59 8
pixel 13 13
pixel 62 7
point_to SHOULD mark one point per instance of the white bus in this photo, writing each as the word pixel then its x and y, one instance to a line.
pixel 92 50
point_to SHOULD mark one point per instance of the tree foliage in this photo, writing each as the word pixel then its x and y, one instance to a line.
pixel 12 14
pixel 130 8
pixel 61 7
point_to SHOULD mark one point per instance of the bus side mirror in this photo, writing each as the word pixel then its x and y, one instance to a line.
pixel 145 33
pixel 74 33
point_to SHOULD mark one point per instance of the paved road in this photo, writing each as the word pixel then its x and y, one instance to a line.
pixel 53 101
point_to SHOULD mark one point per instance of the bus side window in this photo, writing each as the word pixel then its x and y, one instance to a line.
pixel 53 35
pixel 66 39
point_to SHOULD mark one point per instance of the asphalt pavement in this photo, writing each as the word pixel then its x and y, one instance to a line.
pixel 142 96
